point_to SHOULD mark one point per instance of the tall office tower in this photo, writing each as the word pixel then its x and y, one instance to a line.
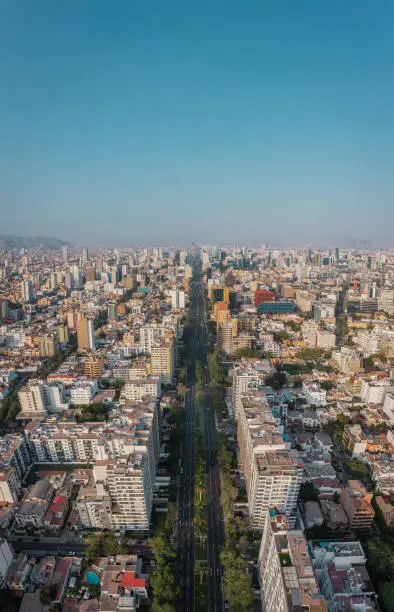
pixel 69 280
pixel 65 253
pixel 337 253
pixel 54 281
pixel 85 255
pixel 285 569
pixel 85 334
pixel 163 361
pixel 32 400
pixel 27 291
pixel 225 337
pixel 177 298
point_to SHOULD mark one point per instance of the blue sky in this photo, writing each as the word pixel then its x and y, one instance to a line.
pixel 206 120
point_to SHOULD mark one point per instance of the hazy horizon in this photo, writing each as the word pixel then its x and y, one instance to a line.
pixel 174 122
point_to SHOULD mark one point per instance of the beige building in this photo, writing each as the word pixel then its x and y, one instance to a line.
pixel 286 576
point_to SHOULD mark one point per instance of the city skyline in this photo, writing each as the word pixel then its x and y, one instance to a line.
pixel 181 123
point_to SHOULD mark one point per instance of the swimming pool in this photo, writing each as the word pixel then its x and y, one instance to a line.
pixel 92 578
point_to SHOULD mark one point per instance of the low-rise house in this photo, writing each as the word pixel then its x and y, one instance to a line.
pixel 313 516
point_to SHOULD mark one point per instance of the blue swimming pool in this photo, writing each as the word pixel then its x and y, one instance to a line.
pixel 92 578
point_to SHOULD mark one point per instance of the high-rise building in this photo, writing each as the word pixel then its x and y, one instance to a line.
pixel 225 337
pixel 27 293
pixel 54 281
pixel 47 345
pixel 85 255
pixel 85 334
pixel 177 298
pixel 90 274
pixel 69 280
pixel 272 473
pixel 94 366
pixel 65 253
pixel 77 277
pixel 286 577
pixel 163 361
pixel 6 559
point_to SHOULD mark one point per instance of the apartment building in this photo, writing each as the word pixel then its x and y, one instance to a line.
pixel 83 392
pixel 6 559
pixel 286 576
pixel 125 468
pixel 138 388
pixel 32 401
pixel 272 473
pixel 314 394
pixel 248 375
pixel 64 442
pixel 356 502
pixel 341 573
pixel 85 334
pixel 225 337
pixel 354 440
pixel 163 361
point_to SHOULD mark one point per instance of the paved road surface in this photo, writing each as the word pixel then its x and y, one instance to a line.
pixel 185 527
pixel 214 507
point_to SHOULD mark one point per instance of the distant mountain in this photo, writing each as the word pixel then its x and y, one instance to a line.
pixel 27 242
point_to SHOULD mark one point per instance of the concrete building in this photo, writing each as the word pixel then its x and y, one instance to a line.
pixel 314 394
pixel 83 392
pixel 286 576
pixel 342 576
pixel 272 473
pixel 32 401
pixel 136 389
pixel 163 361
pixel 177 299
pixel 6 559
pixel 225 337
pixel 85 333
pixel 354 440
pixel 356 502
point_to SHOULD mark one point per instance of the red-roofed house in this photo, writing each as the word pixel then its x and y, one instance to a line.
pixel 133 584
pixel 56 513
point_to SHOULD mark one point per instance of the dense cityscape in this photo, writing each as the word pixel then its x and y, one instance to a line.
pixel 198 428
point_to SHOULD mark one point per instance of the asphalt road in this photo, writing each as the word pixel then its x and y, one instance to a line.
pixel 214 508
pixel 185 527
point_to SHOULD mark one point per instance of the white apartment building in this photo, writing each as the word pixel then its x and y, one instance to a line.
pixel 83 392
pixel 246 377
pixel 314 394
pixel 388 407
pixel 127 468
pixel 373 392
pixel 368 342
pixel 94 507
pixel 272 473
pixel 6 558
pixel 32 400
pixel 285 569
pixel 150 335
pixel 138 388
pixel 14 338
pixel 177 298
pixel 73 443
